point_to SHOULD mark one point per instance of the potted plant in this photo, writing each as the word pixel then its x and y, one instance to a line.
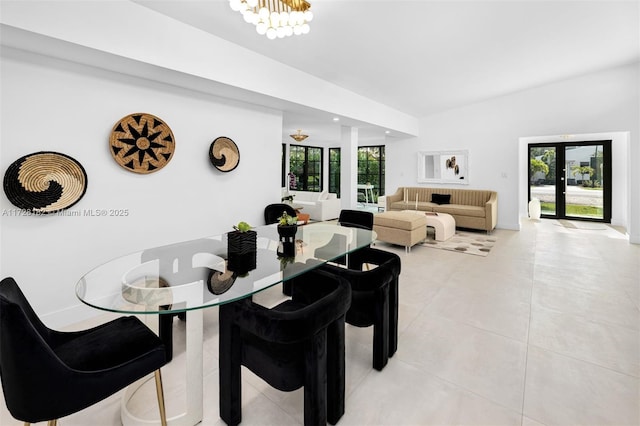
pixel 242 239
pixel 287 225
pixel 241 248
pixel 287 228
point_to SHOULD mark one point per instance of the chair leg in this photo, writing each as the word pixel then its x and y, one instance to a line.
pixel 53 422
pixel 165 328
pixel 381 331
pixel 335 371
pixel 230 380
pixel 160 395
pixel 315 382
pixel 393 316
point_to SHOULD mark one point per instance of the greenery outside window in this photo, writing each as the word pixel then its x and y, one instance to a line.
pixel 371 170
pixel 305 162
pixel 334 171
pixel 283 178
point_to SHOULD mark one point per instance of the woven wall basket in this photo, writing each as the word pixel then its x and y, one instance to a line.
pixel 224 154
pixel 45 182
pixel 141 143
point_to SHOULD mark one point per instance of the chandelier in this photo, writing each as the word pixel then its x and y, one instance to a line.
pixel 275 18
pixel 299 137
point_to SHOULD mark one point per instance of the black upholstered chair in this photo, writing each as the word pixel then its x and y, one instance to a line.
pixel 48 374
pixel 350 218
pixel 298 343
pixel 273 211
pixel 356 219
pixel 374 298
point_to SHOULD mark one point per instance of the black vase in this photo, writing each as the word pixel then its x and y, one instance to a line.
pixel 241 251
pixel 287 242
pixel 241 242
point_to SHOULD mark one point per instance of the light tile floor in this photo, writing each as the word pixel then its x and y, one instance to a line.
pixel 545 330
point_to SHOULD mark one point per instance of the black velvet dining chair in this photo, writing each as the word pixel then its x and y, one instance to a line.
pixel 298 343
pixel 273 212
pixel 48 374
pixel 349 218
pixel 374 298
pixel 356 219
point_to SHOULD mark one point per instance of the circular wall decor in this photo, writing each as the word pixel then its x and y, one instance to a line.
pixel 45 182
pixel 141 143
pixel 224 154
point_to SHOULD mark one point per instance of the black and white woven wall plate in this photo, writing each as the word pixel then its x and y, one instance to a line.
pixel 224 154
pixel 142 143
pixel 45 182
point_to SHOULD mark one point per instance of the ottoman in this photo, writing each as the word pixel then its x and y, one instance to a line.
pixel 444 225
pixel 402 228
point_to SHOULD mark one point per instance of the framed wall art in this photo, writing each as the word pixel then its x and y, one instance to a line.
pixel 443 167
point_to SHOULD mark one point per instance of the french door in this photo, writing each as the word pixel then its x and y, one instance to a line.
pixel 305 162
pixel 572 180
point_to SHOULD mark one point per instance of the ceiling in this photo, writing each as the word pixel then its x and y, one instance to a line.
pixel 423 57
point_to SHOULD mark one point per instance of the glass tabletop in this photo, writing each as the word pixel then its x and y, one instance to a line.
pixel 213 270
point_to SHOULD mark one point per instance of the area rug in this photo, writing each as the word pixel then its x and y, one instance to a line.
pixel 463 242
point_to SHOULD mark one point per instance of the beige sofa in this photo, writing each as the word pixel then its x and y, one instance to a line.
pixel 471 208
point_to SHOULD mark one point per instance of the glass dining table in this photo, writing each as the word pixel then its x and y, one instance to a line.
pixel 188 276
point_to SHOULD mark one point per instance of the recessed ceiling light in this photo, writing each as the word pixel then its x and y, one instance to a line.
pixel 336 118
pixel 387 132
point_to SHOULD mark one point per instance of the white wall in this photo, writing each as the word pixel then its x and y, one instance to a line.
pixel 603 102
pixel 50 104
pixel 122 34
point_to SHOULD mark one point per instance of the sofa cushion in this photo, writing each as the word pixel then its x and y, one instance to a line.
pixel 318 210
pixel 441 198
pixel 459 209
pixel 324 195
pixel 401 205
pixel 307 196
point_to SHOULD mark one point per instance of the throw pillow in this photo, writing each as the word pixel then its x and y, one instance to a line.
pixel 324 195
pixel 441 198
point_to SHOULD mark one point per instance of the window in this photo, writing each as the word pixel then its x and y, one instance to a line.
pixel 334 171
pixel 371 169
pixel 283 178
pixel 305 162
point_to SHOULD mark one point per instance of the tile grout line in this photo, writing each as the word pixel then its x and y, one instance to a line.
pixel 592 363
pixel 458 386
pixel 526 356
